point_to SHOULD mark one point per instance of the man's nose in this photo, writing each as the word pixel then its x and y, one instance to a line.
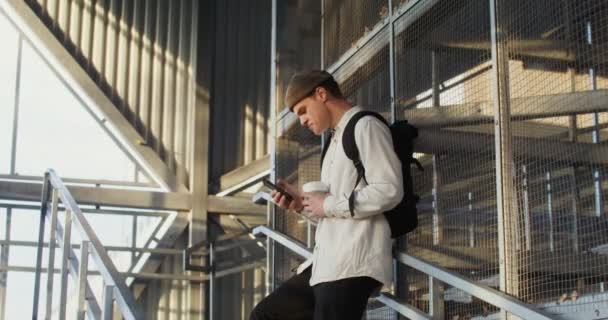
pixel 303 121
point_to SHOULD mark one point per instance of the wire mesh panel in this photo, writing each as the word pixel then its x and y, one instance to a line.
pixel 554 57
pixel 345 22
pixel 364 78
pixel 443 79
pixel 298 163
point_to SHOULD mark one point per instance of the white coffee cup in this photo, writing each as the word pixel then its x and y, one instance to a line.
pixel 315 187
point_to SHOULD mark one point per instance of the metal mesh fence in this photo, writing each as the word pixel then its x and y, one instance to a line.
pixel 367 84
pixel 302 148
pixel 443 77
pixel 554 58
pixel 515 84
pixel 348 21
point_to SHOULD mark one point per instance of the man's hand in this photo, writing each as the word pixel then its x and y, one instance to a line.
pixel 281 200
pixel 313 203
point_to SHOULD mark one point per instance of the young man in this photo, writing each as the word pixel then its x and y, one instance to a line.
pixel 352 257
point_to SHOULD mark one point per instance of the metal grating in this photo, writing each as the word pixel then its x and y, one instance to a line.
pixel 369 85
pixel 345 22
pixel 556 49
pixel 443 64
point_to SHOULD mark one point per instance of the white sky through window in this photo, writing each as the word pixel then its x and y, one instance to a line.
pixel 54 130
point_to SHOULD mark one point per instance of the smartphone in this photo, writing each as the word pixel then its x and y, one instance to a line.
pixel 273 186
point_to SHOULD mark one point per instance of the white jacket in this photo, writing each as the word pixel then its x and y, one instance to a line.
pixel 361 245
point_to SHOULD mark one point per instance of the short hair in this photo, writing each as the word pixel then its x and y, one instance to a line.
pixel 331 86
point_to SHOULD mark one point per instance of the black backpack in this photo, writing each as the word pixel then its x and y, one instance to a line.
pixel 404 217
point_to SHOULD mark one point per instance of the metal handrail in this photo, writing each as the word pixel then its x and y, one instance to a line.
pixel 484 293
pixel 113 281
pixel 391 301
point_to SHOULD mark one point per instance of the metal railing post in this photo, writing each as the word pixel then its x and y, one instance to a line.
pixel 66 243
pixel 51 263
pixel 123 296
pixel 43 208
pixel 82 280
pixel 436 304
pixel 107 310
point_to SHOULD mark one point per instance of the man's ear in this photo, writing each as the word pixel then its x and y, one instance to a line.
pixel 321 93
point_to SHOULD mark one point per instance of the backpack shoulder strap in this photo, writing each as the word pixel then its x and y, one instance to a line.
pixel 326 142
pixel 352 151
pixel 348 137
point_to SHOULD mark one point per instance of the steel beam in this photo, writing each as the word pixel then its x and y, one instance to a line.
pixel 474 114
pixel 33 244
pixel 25 191
pixel 527 108
pixel 442 141
pixel 244 176
pixel 92 182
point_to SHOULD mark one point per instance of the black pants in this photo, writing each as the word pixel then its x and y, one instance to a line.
pixel 296 300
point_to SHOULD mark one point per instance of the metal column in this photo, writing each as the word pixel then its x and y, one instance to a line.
pixel 574 190
pixel 400 244
pixel 573 137
pixel 391 61
pixel 507 217
pixel 550 212
pixel 436 302
pixel 198 125
pixel 526 210
pixel 16 107
pixel 471 219
pixel 597 176
pixel 437 218
pixel 273 146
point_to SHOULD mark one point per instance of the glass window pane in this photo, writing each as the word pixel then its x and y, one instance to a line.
pixel 22 256
pixel 19 301
pixel 24 225
pixel 56 130
pixel 8 76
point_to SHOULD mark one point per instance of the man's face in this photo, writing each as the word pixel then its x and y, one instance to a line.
pixel 313 112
